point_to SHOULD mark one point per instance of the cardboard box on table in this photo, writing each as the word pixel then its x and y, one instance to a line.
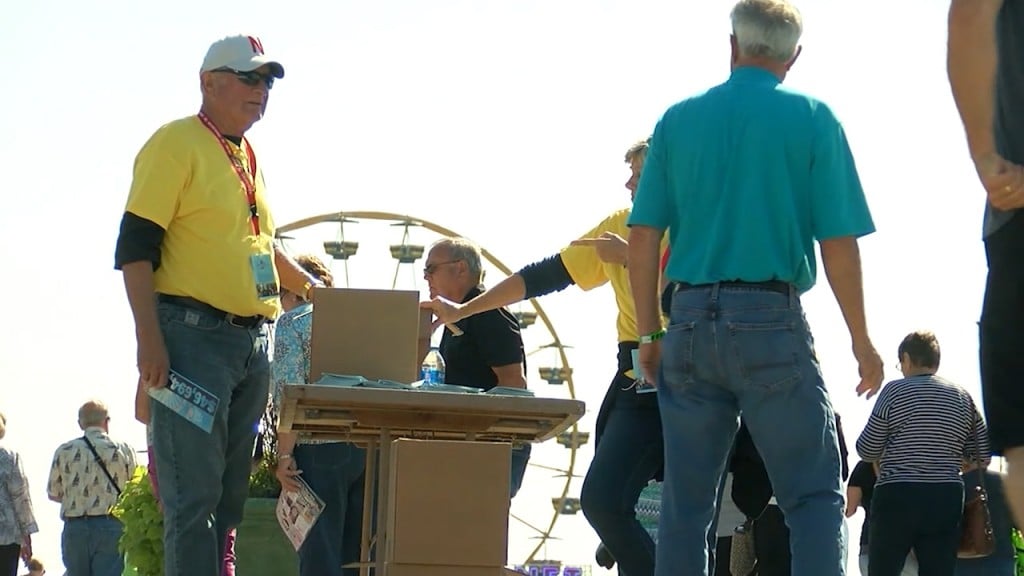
pixel 449 499
pixel 377 334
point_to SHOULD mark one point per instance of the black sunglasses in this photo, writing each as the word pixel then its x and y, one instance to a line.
pixel 251 78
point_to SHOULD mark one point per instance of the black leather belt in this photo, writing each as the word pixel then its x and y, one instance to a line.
pixel 233 319
pixel 770 285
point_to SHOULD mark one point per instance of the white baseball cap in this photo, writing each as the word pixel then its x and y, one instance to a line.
pixel 242 53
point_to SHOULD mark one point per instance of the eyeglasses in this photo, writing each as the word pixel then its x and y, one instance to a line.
pixel 431 268
pixel 251 78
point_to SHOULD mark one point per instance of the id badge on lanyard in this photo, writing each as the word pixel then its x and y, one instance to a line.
pixel 262 265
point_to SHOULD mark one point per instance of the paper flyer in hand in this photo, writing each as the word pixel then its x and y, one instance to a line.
pixel 298 511
pixel 188 400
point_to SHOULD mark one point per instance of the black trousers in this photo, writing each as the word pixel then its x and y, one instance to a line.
pixel 10 554
pixel 723 550
pixel 771 543
pixel 1001 335
pixel 915 516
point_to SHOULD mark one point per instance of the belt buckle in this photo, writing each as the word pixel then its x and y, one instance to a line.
pixel 233 320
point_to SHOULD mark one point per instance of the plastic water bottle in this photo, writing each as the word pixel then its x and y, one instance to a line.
pixel 432 370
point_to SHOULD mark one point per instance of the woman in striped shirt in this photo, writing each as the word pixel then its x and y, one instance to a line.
pixel 921 431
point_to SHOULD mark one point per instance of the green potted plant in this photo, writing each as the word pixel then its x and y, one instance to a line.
pixel 142 541
pixel 260 547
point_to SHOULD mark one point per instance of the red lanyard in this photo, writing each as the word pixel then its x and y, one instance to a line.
pixel 248 178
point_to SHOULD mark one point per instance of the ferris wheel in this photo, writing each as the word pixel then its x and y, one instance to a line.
pixel 553 466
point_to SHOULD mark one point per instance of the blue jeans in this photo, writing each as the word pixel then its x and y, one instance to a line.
pixel 520 459
pixel 204 478
pixel 336 472
pixel 628 455
pixel 89 546
pixel 729 350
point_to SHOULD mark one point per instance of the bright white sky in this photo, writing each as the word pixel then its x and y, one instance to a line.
pixel 505 121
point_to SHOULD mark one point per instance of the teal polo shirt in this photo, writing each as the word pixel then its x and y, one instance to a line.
pixel 745 177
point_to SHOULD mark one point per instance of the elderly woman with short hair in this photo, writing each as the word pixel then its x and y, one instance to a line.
pixel 921 431
pixel 17 521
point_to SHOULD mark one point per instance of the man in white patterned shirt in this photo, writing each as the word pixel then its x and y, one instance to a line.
pixel 87 476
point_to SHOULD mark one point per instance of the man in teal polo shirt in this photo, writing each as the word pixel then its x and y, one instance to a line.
pixel 746 177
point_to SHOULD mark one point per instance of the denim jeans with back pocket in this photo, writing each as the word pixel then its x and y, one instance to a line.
pixel 730 349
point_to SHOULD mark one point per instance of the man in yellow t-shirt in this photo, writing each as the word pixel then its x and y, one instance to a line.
pixel 202 274
pixel 628 435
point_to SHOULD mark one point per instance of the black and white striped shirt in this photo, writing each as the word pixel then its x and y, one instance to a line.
pixel 922 429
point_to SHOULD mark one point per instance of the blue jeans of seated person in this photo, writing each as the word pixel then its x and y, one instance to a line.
pixel 730 349
pixel 89 546
pixel 520 459
pixel 337 473
pixel 204 478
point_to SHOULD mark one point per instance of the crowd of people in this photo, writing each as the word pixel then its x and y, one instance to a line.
pixel 731 194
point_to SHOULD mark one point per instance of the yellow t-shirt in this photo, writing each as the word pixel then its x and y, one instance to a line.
pixel 588 271
pixel 184 181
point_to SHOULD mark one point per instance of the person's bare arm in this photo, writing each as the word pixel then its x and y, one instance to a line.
pixel 509 291
pixel 286 468
pixel 141 404
pixel 293 277
pixel 853 499
pixel 286 443
pixel 971 59
pixel 644 278
pixel 138 283
pixel 841 259
pixel 644 246
pixel 510 375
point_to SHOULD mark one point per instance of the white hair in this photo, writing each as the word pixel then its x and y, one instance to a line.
pixel 92 413
pixel 463 250
pixel 767 28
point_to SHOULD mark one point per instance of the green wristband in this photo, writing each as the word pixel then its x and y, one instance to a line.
pixel 652 337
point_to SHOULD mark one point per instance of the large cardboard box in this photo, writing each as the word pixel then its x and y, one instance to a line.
pixel 449 504
pixel 377 334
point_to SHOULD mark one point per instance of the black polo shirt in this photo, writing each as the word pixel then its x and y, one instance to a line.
pixel 488 339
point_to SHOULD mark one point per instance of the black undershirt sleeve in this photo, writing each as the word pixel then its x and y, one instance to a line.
pixel 546 276
pixel 139 240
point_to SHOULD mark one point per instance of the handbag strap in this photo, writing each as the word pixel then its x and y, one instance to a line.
pixel 102 465
pixel 977 459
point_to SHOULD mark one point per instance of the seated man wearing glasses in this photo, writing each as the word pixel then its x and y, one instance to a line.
pixel 489 352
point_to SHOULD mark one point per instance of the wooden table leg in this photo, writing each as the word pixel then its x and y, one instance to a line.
pixel 383 505
pixel 364 544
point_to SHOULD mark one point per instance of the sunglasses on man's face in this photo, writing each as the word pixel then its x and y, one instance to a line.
pixel 251 78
